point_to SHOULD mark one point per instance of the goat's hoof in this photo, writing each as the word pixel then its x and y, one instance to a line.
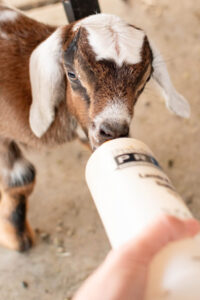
pixel 26 241
pixel 12 238
pixel 15 232
pixel 25 244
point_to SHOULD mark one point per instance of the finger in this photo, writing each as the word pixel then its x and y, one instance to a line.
pixel 165 230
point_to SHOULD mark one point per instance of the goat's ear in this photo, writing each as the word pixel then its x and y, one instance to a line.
pixel 174 101
pixel 47 83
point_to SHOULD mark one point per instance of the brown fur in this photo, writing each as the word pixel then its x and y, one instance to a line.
pixel 103 80
pixel 99 83
pixel 15 94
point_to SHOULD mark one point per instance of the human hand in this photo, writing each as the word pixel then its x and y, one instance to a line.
pixel 123 274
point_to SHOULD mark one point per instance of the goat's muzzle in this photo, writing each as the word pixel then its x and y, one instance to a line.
pixel 106 131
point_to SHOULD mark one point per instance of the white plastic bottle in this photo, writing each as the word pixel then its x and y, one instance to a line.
pixel 130 191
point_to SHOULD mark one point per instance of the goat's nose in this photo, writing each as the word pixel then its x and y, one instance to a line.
pixel 108 131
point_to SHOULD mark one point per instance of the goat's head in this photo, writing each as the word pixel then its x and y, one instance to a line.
pixel 107 64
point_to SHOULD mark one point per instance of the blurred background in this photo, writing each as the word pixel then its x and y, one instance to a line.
pixel 70 240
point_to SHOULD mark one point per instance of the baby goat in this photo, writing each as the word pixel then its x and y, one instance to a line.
pixel 55 82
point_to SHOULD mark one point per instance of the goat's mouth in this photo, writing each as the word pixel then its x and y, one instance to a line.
pixel 102 129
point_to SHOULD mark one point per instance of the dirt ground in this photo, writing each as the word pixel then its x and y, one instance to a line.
pixel 71 241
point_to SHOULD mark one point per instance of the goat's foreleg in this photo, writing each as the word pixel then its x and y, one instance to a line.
pixel 17 178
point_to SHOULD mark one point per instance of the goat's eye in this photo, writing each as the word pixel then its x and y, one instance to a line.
pixel 71 75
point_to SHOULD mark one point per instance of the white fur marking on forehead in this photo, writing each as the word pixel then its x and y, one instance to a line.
pixel 112 38
pixel 8 15
pixel 116 111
